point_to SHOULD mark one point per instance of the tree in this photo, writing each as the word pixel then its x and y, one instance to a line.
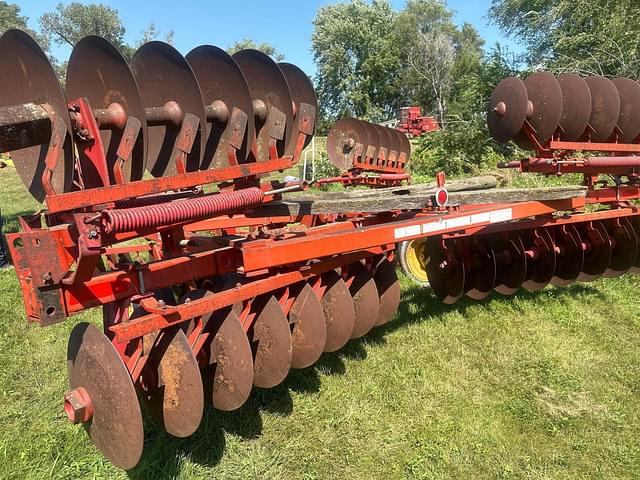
pixel 358 57
pixel 152 33
pixel 433 59
pixel 263 47
pixel 10 18
pixel 69 23
pixel 584 36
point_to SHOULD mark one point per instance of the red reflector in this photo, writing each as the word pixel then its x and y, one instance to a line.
pixel 442 197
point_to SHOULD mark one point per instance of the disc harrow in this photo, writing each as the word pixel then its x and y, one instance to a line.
pixel 204 295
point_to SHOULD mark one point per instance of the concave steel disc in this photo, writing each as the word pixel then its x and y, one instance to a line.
pixel 576 106
pixel 98 72
pixel 267 83
pixel 339 311
pixel 605 107
pixel 625 249
pixel 230 370
pixel 116 427
pixel 629 119
pixel 221 78
pixel 365 299
pixel 388 287
pixel 598 254
pixel 481 276
pixel 545 94
pixel 540 270
pixel 271 344
pixel 28 77
pixel 571 257
pixel 395 143
pixel 405 144
pixel 341 141
pixel 445 270
pixel 163 75
pixel 302 91
pixel 385 140
pixel 177 402
pixel 511 263
pixel 376 140
pixel 308 327
pixel 507 109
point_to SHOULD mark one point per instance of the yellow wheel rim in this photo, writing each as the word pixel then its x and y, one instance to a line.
pixel 415 259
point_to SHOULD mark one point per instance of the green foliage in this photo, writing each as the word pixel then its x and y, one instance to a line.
pixel 583 36
pixel 10 18
pixel 152 33
pixel 70 23
pixel 263 47
pixel 357 56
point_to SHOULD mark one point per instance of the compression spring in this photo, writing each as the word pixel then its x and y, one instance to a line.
pixel 185 210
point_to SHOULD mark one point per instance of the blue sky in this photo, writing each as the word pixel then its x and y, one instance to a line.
pixel 286 24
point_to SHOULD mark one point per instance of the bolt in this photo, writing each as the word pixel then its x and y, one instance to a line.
pixel 47 277
pixel 93 235
pixel 78 405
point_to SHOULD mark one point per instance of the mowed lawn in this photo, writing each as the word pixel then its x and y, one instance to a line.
pixel 543 385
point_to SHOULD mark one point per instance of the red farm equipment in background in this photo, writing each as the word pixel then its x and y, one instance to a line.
pixel 413 124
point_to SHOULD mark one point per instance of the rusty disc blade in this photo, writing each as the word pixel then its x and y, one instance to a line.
pixel 545 94
pixel 98 72
pixel 395 143
pixel 405 146
pixel 511 263
pixel 365 299
pixel 230 371
pixel 629 119
pixel 576 106
pixel 339 311
pixel 308 327
pixel 268 84
pixel 177 402
pixel 571 257
pixel 220 78
pixel 163 75
pixel 605 107
pixel 598 254
pixel 116 427
pixel 271 344
pixel 28 77
pixel 376 141
pixel 540 269
pixel 481 276
pixel 385 141
pixel 388 287
pixel 507 109
pixel 625 247
pixel 302 91
pixel 341 141
pixel 445 270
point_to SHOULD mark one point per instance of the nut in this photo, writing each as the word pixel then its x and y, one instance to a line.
pixel 78 406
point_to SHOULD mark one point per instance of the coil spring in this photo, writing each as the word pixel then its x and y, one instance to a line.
pixel 152 216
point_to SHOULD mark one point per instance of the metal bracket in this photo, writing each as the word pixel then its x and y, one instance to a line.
pixel 125 149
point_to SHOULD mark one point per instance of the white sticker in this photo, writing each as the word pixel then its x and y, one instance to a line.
pixel 405 232
pixel 498 216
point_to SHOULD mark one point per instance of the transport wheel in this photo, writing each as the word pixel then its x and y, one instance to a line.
pixel 271 344
pixel 365 299
pixel 339 312
pixel 388 288
pixel 308 327
pixel 177 400
pixel 103 397
pixel 412 256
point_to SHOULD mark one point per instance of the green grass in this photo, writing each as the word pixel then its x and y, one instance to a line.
pixel 543 385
